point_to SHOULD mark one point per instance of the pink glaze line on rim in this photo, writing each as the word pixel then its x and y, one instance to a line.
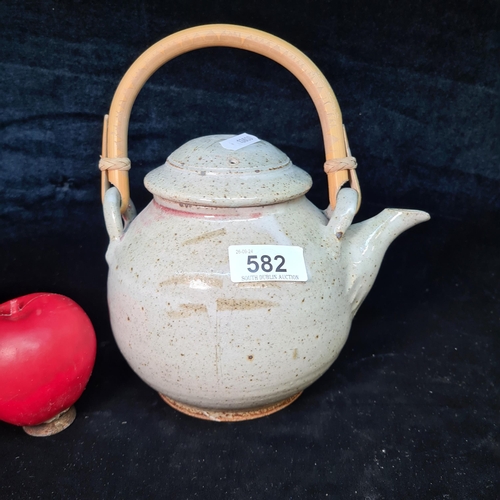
pixel 201 215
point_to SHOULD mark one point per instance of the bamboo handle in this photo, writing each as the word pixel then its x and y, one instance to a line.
pixel 221 35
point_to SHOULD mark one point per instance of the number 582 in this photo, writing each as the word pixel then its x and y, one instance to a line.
pixel 266 264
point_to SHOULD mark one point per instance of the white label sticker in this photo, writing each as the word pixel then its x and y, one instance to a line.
pixel 239 141
pixel 249 263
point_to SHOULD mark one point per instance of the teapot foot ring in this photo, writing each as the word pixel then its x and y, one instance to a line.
pixel 53 426
pixel 229 415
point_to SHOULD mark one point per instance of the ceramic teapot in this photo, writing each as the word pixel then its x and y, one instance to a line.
pixel 230 293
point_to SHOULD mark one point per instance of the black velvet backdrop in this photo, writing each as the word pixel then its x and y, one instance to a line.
pixel 411 407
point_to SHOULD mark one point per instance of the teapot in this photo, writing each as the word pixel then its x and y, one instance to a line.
pixel 230 293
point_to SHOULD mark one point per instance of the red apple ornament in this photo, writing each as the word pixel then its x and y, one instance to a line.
pixel 47 352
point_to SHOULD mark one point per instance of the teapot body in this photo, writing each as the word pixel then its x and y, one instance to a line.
pixel 213 347
pixel 204 341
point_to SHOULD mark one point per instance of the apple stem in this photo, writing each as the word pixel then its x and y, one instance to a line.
pixel 14 306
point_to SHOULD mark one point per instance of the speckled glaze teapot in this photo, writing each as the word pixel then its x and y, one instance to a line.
pixel 230 293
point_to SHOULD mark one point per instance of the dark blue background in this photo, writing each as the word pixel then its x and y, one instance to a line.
pixel 410 409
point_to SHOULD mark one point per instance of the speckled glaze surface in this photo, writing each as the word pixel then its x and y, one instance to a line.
pixel 195 336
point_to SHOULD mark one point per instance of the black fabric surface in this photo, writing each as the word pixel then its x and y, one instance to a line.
pixel 411 407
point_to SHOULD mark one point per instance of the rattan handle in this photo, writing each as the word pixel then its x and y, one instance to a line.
pixel 222 35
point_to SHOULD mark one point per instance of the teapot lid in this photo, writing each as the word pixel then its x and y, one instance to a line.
pixel 202 172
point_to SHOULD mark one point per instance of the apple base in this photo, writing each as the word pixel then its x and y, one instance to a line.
pixel 53 426
pixel 229 415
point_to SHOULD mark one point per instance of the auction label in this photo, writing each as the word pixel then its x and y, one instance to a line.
pixel 239 141
pixel 249 263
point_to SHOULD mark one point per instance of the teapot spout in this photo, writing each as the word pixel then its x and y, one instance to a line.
pixel 364 246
